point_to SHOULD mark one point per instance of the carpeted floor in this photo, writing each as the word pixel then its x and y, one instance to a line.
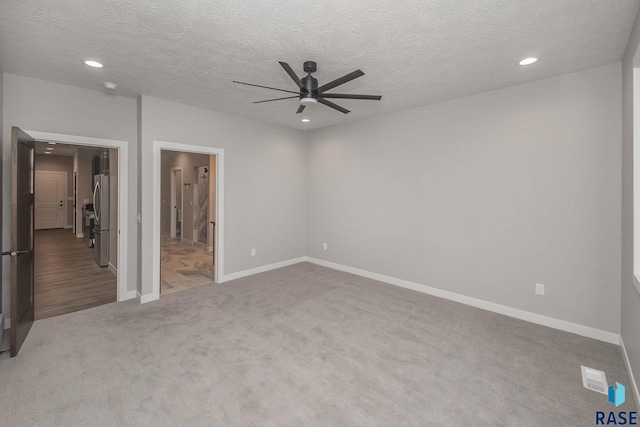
pixel 301 346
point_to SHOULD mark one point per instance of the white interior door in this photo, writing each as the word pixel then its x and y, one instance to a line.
pixel 50 199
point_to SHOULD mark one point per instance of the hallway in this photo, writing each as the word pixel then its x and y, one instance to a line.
pixel 67 278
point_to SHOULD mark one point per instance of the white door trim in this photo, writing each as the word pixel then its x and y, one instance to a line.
pixel 172 228
pixel 218 268
pixel 123 195
pixel 65 198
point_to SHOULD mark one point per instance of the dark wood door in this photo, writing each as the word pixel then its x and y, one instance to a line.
pixel 22 225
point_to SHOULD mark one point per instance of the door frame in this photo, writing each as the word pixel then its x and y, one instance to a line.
pixel 218 267
pixel 123 197
pixel 174 219
pixel 64 207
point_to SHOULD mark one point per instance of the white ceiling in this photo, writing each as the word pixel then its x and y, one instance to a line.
pixel 412 53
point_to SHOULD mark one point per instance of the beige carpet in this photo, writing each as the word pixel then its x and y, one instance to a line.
pixel 301 346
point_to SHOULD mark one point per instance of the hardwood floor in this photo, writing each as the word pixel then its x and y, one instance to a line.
pixel 67 278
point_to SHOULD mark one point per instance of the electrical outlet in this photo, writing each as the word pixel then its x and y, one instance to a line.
pixel 253 252
pixel 539 289
pixel 324 246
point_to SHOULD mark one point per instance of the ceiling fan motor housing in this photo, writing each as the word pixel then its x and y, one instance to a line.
pixel 309 94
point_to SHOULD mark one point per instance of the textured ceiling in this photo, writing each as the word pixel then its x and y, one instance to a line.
pixel 412 53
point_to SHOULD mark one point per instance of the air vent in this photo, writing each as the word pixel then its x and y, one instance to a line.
pixel 594 379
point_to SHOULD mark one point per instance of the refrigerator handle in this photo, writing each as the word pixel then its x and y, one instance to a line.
pixel 95 211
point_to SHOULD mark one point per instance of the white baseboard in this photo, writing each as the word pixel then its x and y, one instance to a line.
pixel 143 299
pixel 634 385
pixel 539 319
pixel 261 269
pixel 80 235
pixel 127 295
pixel 186 241
pixel 113 269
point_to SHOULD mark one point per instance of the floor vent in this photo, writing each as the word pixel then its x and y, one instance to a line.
pixel 594 379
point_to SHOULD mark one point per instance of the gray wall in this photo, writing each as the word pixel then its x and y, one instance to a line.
pixel 630 319
pixel 50 107
pixel 483 196
pixel 53 162
pixel 265 180
pixel 187 161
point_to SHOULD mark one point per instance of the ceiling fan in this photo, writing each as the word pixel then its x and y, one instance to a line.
pixel 310 93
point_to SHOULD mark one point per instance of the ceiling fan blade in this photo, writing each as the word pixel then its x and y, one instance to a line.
pixel 341 80
pixel 349 96
pixel 332 105
pixel 293 75
pixel 300 109
pixel 276 99
pixel 265 87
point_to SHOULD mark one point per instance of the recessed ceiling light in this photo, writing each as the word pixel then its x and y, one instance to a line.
pixel 528 61
pixel 306 120
pixel 94 64
pixel 51 143
pixel 48 148
pixel 47 152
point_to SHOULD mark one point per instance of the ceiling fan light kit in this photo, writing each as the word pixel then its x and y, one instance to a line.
pixel 310 93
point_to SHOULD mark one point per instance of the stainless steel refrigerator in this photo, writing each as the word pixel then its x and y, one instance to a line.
pixel 101 222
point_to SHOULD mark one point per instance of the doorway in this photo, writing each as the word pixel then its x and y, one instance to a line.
pixel 187 260
pixel 216 210
pixel 22 219
pixel 74 272
pixel 80 192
